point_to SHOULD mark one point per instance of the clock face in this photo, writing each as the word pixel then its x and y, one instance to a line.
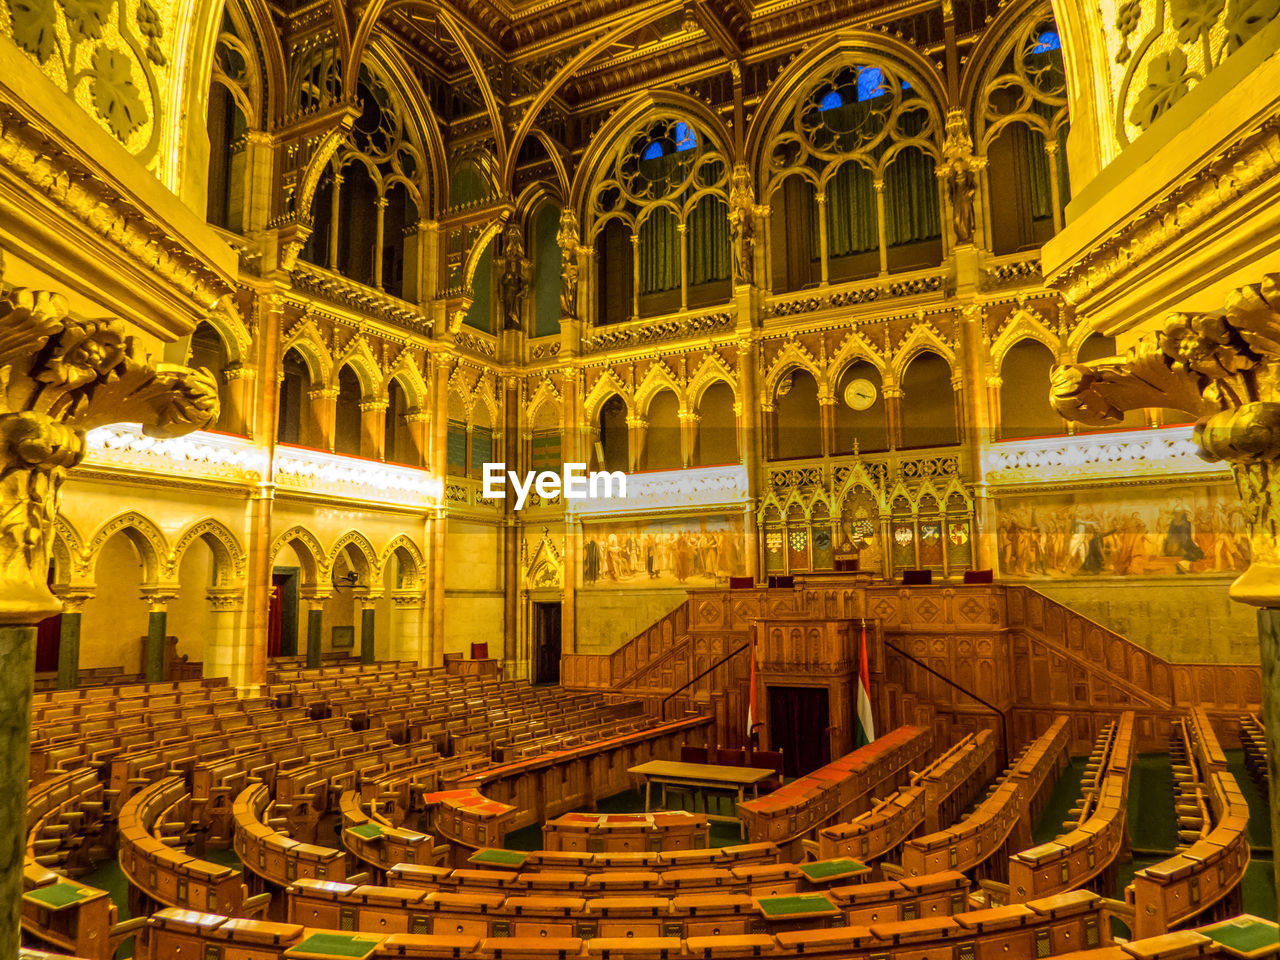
pixel 860 394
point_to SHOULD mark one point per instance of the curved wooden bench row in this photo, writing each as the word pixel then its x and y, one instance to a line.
pixel 1253 740
pixel 879 831
pixel 808 802
pixel 1167 894
pixel 377 843
pixel 1012 803
pixel 1099 834
pixel 1040 928
pixel 609 832
pixel 469 818
pixel 272 855
pixel 573 778
pixel 587 914
pixel 162 871
pixel 66 824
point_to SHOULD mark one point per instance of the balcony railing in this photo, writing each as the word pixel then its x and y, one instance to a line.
pixel 1166 452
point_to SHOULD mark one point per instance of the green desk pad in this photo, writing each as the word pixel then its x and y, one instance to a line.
pixel 367 831
pixel 505 858
pixel 810 903
pixel 824 869
pixel 336 945
pixel 57 895
pixel 1243 934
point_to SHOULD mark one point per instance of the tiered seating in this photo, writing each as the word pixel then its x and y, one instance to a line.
pixel 871 835
pixel 1213 821
pixel 65 822
pixel 376 842
pixel 808 802
pixel 1095 836
pixel 1040 928
pixel 598 833
pixel 1013 803
pixel 155 827
pixel 1253 739
pixel 588 912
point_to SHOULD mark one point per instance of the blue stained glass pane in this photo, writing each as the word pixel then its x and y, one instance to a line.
pixel 870 80
pixel 686 139
pixel 1049 40
pixel 831 101
pixel 653 151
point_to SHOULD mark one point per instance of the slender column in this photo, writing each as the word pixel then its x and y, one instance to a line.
pixel 512 455
pixel 821 199
pixel 225 652
pixel 827 425
pixel 1269 642
pixel 635 275
pixel 893 415
pixel 333 222
pixel 315 625
pixel 750 448
pixel 157 625
pixel 241 386
pixel 571 414
pixel 1055 192
pixel 379 234
pixel 420 435
pixel 882 229
pixel 439 522
pixel 373 429
pixel 69 639
pixel 978 415
pixel 684 265
pixel 368 630
pixel 636 430
pixel 994 384
pixel 324 414
pixel 689 421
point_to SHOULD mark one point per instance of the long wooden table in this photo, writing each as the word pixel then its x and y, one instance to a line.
pixel 700 776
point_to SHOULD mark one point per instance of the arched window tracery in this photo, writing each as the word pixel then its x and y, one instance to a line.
pixel 660 222
pixel 850 175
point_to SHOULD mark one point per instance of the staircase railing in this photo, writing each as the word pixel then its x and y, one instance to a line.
pixel 723 660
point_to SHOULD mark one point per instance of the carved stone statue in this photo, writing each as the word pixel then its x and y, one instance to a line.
pixel 567 240
pixel 963 185
pixel 514 284
pixel 742 223
pixel 59 377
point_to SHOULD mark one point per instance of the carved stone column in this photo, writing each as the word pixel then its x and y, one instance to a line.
pixel 368 628
pixel 227 653
pixel 315 600
pixel 60 377
pixel 373 429
pixel 158 600
pixel 689 421
pixel 324 416
pixel 69 638
pixel 406 626
pixel 1223 370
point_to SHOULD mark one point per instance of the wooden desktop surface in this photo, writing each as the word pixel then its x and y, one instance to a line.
pixel 702 772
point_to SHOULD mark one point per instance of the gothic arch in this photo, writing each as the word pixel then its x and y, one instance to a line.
pixel 230 560
pixel 413 565
pixel 305 337
pixel 364 554
pixel 854 348
pixel 923 338
pixel 404 370
pixel 1024 324
pixel 66 550
pixel 792 357
pixel 656 379
pixel 359 357
pixel 147 539
pixel 712 370
pixel 605 386
pixel 315 567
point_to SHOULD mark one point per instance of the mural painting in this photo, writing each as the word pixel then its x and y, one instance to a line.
pixel 1175 531
pixel 680 552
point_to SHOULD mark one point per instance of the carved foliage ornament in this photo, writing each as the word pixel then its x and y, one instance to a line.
pixel 106 54
pixel 1223 369
pixel 61 376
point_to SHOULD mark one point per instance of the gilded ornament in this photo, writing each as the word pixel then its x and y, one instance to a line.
pixel 1167 83
pixel 1245 18
pixel 34 27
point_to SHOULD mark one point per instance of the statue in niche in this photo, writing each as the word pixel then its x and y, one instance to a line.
pixel 514 284
pixel 963 186
pixel 742 242
pixel 567 241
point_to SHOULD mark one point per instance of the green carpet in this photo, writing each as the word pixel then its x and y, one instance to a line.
pixel 1065 794
pixel 108 876
pixel 1152 824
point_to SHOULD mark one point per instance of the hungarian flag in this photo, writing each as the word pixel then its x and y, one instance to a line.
pixel 751 690
pixel 866 730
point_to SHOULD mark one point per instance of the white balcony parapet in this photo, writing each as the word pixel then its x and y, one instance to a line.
pixel 200 455
pixel 697 487
pixel 315 471
pixel 1131 454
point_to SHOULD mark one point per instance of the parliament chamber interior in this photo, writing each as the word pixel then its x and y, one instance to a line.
pixel 639 479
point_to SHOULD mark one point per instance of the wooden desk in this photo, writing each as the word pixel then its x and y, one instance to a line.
pixel 819 872
pixel 325 946
pixel 1245 935
pixel 700 776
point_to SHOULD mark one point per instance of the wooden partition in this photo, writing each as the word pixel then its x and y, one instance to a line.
pixel 1099 834
pixel 838 789
pixel 1207 871
pixel 1048 927
pixel 1006 812
pixel 950 780
pixel 618 832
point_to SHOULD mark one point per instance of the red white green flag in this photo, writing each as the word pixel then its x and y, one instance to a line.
pixel 865 730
